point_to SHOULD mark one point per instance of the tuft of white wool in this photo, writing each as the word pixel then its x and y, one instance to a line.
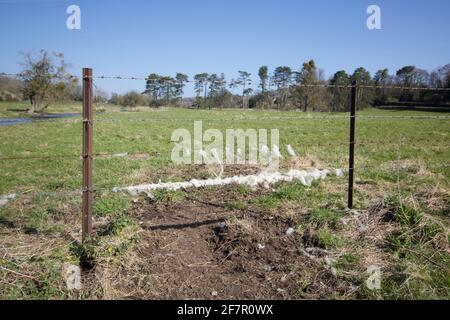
pixel 239 155
pixel 291 151
pixel 265 149
pixel 118 155
pixel 276 152
pixel 215 156
pixel 253 181
pixel 290 231
pixel 264 153
pixel 5 198
pixel 203 154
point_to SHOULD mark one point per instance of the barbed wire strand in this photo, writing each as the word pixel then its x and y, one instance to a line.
pixel 299 85
pixel 140 78
pixel 80 157
pixel 18 75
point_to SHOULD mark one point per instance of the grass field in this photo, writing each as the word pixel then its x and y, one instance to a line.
pixel 170 245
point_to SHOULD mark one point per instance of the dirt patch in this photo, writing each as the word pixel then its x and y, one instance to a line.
pixel 258 252
pixel 195 249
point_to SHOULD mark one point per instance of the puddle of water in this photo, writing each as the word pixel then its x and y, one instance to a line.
pixel 14 121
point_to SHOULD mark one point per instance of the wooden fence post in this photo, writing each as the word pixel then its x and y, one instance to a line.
pixel 87 153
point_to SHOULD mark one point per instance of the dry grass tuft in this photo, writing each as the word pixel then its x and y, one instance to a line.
pixel 305 162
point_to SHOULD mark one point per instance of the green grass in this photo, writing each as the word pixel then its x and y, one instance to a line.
pixel 347 261
pixel 167 195
pixel 110 205
pixel 329 240
pixel 49 204
pixel 323 217
pixel 283 192
pixel 153 137
pixel 419 244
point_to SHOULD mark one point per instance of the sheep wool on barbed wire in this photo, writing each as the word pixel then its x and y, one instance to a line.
pixel 291 151
pixel 276 151
pixel 263 178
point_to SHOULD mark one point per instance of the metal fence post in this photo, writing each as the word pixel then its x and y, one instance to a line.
pixel 87 153
pixel 351 157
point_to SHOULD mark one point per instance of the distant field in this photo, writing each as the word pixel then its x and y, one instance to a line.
pixel 18 109
pixel 401 222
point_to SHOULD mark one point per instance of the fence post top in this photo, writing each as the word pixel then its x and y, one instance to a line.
pixel 87 71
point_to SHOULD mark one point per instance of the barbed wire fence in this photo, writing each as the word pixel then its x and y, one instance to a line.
pixel 87 156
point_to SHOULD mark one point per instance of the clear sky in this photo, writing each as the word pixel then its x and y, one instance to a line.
pixel 138 37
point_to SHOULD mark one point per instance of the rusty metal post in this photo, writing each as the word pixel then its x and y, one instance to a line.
pixel 351 157
pixel 87 153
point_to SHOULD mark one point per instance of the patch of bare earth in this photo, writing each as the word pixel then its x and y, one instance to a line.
pixel 198 249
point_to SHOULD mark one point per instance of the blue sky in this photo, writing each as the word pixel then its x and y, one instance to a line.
pixel 138 37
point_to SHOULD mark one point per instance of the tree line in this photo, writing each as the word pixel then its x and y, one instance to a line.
pixel 44 79
pixel 286 89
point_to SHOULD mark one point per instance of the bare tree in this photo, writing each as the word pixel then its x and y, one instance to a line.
pixel 44 81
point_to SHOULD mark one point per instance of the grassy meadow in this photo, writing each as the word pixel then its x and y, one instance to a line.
pixel 400 223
